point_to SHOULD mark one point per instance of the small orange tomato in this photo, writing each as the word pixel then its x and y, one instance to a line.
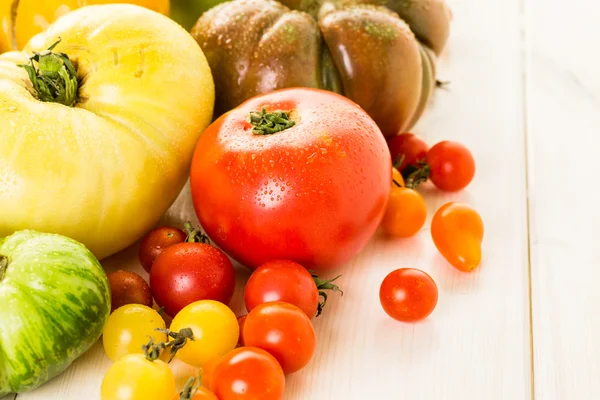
pixel 406 213
pixel 195 391
pixel 397 178
pixel 457 231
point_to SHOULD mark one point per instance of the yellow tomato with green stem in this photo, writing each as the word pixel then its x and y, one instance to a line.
pixel 20 20
pixel 101 156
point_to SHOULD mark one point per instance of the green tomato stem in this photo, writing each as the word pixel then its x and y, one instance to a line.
pixel 323 285
pixel 3 266
pixel 153 351
pixel 190 389
pixel 195 235
pixel 414 175
pixel 54 79
pixel 179 340
pixel 265 123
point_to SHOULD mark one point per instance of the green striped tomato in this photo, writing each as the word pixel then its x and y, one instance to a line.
pixel 54 302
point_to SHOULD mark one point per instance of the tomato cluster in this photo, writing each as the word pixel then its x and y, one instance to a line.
pixel 456 228
pixel 240 357
pixel 248 356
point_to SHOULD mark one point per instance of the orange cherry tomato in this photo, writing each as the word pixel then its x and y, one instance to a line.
pixel 457 231
pixel 246 373
pixel 406 213
pixel 283 330
pixel 397 178
pixel 194 391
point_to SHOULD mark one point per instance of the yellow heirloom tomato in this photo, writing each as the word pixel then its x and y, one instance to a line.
pixel 34 16
pixel 100 146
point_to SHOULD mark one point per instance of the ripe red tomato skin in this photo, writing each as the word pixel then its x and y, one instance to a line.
pixel 452 166
pixel 411 146
pixel 282 280
pixel 156 241
pixel 408 294
pixel 316 217
pixel 188 272
pixel 259 373
pixel 284 331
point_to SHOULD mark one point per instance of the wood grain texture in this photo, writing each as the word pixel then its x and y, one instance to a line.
pixel 563 130
pixel 476 344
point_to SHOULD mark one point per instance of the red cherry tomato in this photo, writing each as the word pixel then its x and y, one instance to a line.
pixel 457 231
pixel 156 241
pixel 288 281
pixel 188 272
pixel 314 192
pixel 408 294
pixel 246 373
pixel 284 331
pixel 409 148
pixel 128 288
pixel 452 166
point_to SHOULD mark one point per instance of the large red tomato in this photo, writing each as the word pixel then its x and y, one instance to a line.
pixel 297 174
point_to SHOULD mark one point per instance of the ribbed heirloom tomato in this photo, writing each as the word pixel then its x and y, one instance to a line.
pixel 297 174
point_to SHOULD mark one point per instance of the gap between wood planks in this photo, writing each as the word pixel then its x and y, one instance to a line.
pixel 525 49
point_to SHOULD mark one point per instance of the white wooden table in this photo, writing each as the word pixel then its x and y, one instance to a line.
pixel 525 81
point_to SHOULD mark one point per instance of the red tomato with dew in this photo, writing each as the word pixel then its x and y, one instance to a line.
pixel 313 192
pixel 188 272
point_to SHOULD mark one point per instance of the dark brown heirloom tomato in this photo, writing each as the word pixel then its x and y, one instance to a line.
pixel 380 54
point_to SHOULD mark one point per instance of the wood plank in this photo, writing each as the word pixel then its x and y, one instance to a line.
pixel 563 128
pixel 476 344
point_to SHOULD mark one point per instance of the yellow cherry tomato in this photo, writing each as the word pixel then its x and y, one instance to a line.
pixel 34 16
pixel 134 377
pixel 216 331
pixel 129 328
